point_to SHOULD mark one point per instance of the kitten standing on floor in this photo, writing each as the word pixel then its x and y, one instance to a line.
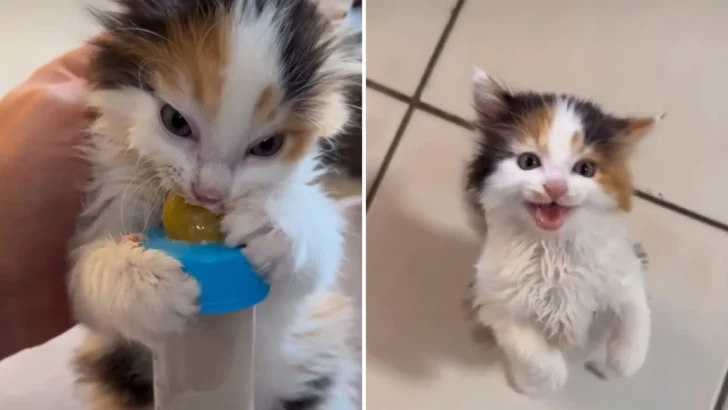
pixel 222 101
pixel 560 276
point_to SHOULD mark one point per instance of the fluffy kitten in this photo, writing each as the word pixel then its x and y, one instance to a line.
pixel 222 101
pixel 560 275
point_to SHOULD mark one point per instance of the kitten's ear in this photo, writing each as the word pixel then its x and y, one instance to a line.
pixel 488 96
pixel 639 127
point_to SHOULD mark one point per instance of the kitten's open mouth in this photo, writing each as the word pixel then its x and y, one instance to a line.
pixel 549 217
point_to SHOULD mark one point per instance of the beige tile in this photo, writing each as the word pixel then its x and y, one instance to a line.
pixel 383 115
pixel 645 57
pixel 401 36
pixel 420 254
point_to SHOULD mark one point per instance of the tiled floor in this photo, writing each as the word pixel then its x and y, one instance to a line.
pixel 641 56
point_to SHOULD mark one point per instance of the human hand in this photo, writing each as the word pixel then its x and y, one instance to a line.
pixel 43 122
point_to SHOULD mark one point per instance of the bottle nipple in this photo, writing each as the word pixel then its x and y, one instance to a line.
pixel 183 221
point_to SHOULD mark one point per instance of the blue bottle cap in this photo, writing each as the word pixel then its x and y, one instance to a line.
pixel 227 280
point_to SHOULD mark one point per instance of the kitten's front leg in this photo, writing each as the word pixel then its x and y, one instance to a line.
pixel 263 241
pixel 297 235
pixel 119 287
pixel 535 366
pixel 628 346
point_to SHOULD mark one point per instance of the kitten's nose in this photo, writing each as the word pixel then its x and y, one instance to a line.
pixel 555 188
pixel 207 195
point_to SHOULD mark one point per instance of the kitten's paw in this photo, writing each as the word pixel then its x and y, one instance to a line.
pixel 625 357
pixel 264 243
pixel 540 375
pixel 164 297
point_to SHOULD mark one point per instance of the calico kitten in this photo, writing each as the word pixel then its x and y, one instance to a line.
pixel 560 275
pixel 222 101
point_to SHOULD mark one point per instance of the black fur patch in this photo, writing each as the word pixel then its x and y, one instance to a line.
pixel 600 129
pixel 318 388
pixel 122 370
pixel 302 403
pixel 345 151
pixel 302 52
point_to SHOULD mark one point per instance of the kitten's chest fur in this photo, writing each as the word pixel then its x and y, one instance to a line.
pixel 561 285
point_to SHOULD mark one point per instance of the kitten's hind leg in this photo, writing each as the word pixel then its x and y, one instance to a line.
pixel 534 366
pixel 624 347
pixel 595 357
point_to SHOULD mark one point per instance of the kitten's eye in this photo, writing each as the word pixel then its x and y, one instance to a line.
pixel 175 122
pixel 269 146
pixel 528 161
pixel 587 169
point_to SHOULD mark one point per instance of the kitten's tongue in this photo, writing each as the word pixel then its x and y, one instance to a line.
pixel 549 217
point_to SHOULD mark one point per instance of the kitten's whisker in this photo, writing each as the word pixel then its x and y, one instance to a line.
pixel 139 29
pixel 124 194
pixel 143 64
pixel 155 202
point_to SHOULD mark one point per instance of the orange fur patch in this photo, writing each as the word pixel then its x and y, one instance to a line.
pixel 301 135
pixel 331 306
pixel 193 59
pixel 297 145
pixel 640 126
pixel 535 128
pixel 613 173
pixel 616 179
pixel 329 318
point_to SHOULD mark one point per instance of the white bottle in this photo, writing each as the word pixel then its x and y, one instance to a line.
pixel 209 367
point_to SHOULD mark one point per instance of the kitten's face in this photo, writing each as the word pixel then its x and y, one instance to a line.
pixel 548 159
pixel 221 97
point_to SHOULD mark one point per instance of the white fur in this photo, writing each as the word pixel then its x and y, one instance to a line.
pixel 530 289
pixel 293 231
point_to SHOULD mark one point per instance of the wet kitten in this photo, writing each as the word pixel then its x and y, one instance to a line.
pixel 223 101
pixel 560 276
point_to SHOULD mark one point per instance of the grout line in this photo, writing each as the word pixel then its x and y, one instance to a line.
pixel 428 108
pixel 720 401
pixel 412 103
pixel 437 112
pixel 680 210
pixel 389 92
pixel 457 120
